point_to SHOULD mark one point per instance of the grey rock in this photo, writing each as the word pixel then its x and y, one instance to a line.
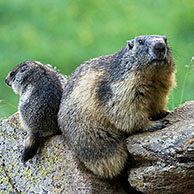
pixel 53 170
pixel 164 159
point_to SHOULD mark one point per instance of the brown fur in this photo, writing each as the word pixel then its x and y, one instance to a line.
pixel 109 96
pixel 40 88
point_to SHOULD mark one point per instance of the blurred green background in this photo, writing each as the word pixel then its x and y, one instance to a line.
pixel 65 33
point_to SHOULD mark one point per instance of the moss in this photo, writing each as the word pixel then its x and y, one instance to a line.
pixel 43 150
pixel 5 180
pixel 66 180
pixel 32 174
pixel 10 169
pixel 58 190
pixel 27 174
pixel 3 192
pixel 43 173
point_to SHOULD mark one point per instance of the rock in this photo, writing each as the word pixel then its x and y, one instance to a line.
pixel 163 162
pixel 53 170
pixel 164 159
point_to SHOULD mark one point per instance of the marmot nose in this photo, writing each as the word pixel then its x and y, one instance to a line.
pixel 6 81
pixel 159 49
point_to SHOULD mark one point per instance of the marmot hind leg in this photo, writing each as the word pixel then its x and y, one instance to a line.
pixel 33 143
pixel 110 166
pixel 31 146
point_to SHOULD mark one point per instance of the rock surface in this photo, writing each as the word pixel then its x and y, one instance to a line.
pixel 165 158
pixel 163 162
pixel 53 170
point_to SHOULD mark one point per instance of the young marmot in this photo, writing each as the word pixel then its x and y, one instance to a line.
pixel 40 89
pixel 115 94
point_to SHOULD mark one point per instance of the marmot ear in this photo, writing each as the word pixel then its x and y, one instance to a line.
pixel 130 44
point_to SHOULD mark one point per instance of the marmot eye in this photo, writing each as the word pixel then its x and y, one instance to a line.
pixel 130 44
pixel 12 73
pixel 141 42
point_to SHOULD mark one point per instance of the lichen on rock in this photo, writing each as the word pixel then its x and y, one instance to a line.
pixel 163 161
pixel 54 169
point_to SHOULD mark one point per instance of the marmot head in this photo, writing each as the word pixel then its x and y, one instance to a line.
pixel 22 72
pixel 147 52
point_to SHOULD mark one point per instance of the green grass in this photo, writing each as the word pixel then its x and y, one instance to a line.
pixel 66 33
